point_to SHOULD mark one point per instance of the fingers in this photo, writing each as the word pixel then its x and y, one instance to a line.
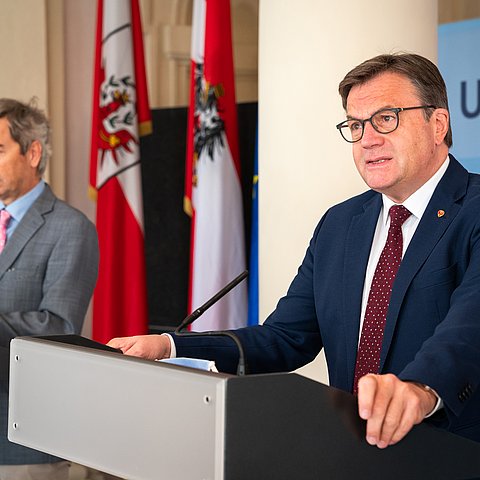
pixel 151 347
pixel 367 389
pixel 390 421
pixel 391 407
pixel 122 343
pixel 374 404
pixel 403 426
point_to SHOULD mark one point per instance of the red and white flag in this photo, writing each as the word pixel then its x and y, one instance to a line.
pixel 120 116
pixel 213 194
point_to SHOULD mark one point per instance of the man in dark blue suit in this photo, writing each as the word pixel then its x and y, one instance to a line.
pixel 428 361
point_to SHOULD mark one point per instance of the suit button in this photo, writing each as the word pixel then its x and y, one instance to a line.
pixel 461 396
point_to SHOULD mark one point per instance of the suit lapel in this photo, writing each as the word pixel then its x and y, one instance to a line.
pixel 357 251
pixel 430 230
pixel 26 229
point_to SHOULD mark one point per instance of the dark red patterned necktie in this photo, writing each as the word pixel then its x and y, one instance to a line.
pixel 368 355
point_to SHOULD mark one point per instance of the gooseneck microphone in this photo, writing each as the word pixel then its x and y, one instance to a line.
pixel 201 310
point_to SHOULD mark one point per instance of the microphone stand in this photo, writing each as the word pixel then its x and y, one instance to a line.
pixel 241 368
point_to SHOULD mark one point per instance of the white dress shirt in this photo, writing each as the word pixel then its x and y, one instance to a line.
pixel 416 205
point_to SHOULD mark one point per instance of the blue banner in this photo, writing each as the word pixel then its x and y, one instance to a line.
pixel 253 293
pixel 459 63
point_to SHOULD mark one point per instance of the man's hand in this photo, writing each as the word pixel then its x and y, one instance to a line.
pixel 151 347
pixel 391 407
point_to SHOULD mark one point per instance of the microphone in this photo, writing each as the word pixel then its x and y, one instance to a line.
pixel 201 310
pixel 189 319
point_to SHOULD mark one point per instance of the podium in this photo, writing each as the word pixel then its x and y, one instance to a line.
pixel 139 419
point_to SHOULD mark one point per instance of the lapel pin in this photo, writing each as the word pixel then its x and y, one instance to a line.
pixel 440 213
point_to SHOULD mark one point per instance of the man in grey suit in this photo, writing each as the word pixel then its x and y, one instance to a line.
pixel 48 265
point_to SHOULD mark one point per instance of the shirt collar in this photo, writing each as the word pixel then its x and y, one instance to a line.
pixel 417 202
pixel 20 206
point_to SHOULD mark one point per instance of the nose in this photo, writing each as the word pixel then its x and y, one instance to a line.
pixel 371 137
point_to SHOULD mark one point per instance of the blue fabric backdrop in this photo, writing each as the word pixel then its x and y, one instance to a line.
pixel 459 62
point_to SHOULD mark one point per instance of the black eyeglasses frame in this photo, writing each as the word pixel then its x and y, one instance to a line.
pixel 396 110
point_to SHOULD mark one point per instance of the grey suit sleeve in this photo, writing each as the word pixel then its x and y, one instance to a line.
pixel 48 287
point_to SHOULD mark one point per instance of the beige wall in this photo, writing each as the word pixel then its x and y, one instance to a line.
pixel 457 10
pixel 305 48
pixel 31 34
pixel 79 33
pixel 23 56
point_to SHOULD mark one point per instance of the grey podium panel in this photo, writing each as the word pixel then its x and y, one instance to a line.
pixel 126 416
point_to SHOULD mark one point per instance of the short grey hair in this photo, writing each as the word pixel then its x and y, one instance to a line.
pixel 28 123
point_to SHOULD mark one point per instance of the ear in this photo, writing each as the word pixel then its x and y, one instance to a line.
pixel 34 154
pixel 441 119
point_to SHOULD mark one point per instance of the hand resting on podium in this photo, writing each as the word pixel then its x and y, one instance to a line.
pixel 150 347
pixel 391 407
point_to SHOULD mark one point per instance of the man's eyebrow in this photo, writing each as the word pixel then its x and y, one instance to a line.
pixel 385 107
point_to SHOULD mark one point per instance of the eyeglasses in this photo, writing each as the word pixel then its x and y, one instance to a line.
pixel 383 121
